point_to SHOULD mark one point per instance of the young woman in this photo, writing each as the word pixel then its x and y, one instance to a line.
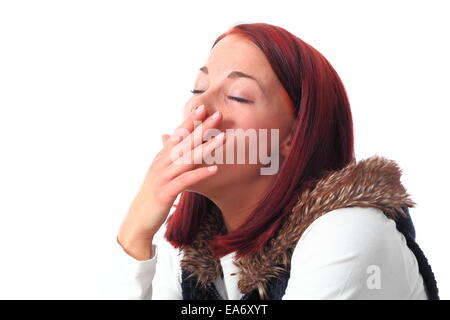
pixel 315 224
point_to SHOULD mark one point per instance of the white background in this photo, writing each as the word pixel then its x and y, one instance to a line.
pixel 88 87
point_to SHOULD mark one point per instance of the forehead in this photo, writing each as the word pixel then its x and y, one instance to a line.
pixel 236 53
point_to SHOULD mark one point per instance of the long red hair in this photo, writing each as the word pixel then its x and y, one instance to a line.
pixel 322 142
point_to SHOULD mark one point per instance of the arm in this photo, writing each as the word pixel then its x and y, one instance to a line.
pixel 353 253
pixel 162 184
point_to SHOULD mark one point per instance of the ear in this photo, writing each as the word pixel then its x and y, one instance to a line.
pixel 286 146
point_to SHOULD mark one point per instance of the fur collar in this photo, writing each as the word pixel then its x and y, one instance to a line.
pixel 372 182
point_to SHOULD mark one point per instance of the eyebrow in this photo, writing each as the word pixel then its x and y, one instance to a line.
pixel 236 74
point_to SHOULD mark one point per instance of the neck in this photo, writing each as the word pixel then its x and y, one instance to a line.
pixel 236 204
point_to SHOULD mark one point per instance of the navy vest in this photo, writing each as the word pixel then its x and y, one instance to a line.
pixel 277 286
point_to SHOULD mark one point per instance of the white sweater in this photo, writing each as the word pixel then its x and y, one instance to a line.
pixel 348 253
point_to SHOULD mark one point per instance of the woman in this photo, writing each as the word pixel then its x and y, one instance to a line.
pixel 315 225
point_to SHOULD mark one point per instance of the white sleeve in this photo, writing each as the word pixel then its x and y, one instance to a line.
pixel 155 278
pixel 136 275
pixel 353 253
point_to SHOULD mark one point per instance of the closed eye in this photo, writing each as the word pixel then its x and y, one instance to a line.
pixel 242 100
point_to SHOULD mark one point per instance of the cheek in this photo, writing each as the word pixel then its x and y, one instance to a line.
pixel 276 127
pixel 245 119
pixel 257 121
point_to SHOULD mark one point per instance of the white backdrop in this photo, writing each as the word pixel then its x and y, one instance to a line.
pixel 88 87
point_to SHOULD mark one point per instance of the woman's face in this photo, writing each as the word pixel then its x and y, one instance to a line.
pixel 245 103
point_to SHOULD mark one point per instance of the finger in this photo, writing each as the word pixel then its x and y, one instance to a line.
pixel 164 138
pixel 190 178
pixel 196 156
pixel 188 125
pixel 197 137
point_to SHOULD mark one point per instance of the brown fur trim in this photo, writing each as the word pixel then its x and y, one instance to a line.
pixel 372 182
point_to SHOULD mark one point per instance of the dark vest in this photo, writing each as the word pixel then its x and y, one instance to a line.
pixel 277 286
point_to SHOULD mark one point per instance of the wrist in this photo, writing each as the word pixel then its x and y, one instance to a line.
pixel 139 249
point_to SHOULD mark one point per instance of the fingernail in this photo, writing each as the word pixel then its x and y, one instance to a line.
pixel 215 115
pixel 220 136
pixel 199 109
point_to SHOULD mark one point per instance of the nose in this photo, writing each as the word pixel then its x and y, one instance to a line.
pixel 209 110
pixel 211 98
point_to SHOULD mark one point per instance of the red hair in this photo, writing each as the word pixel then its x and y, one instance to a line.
pixel 322 142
